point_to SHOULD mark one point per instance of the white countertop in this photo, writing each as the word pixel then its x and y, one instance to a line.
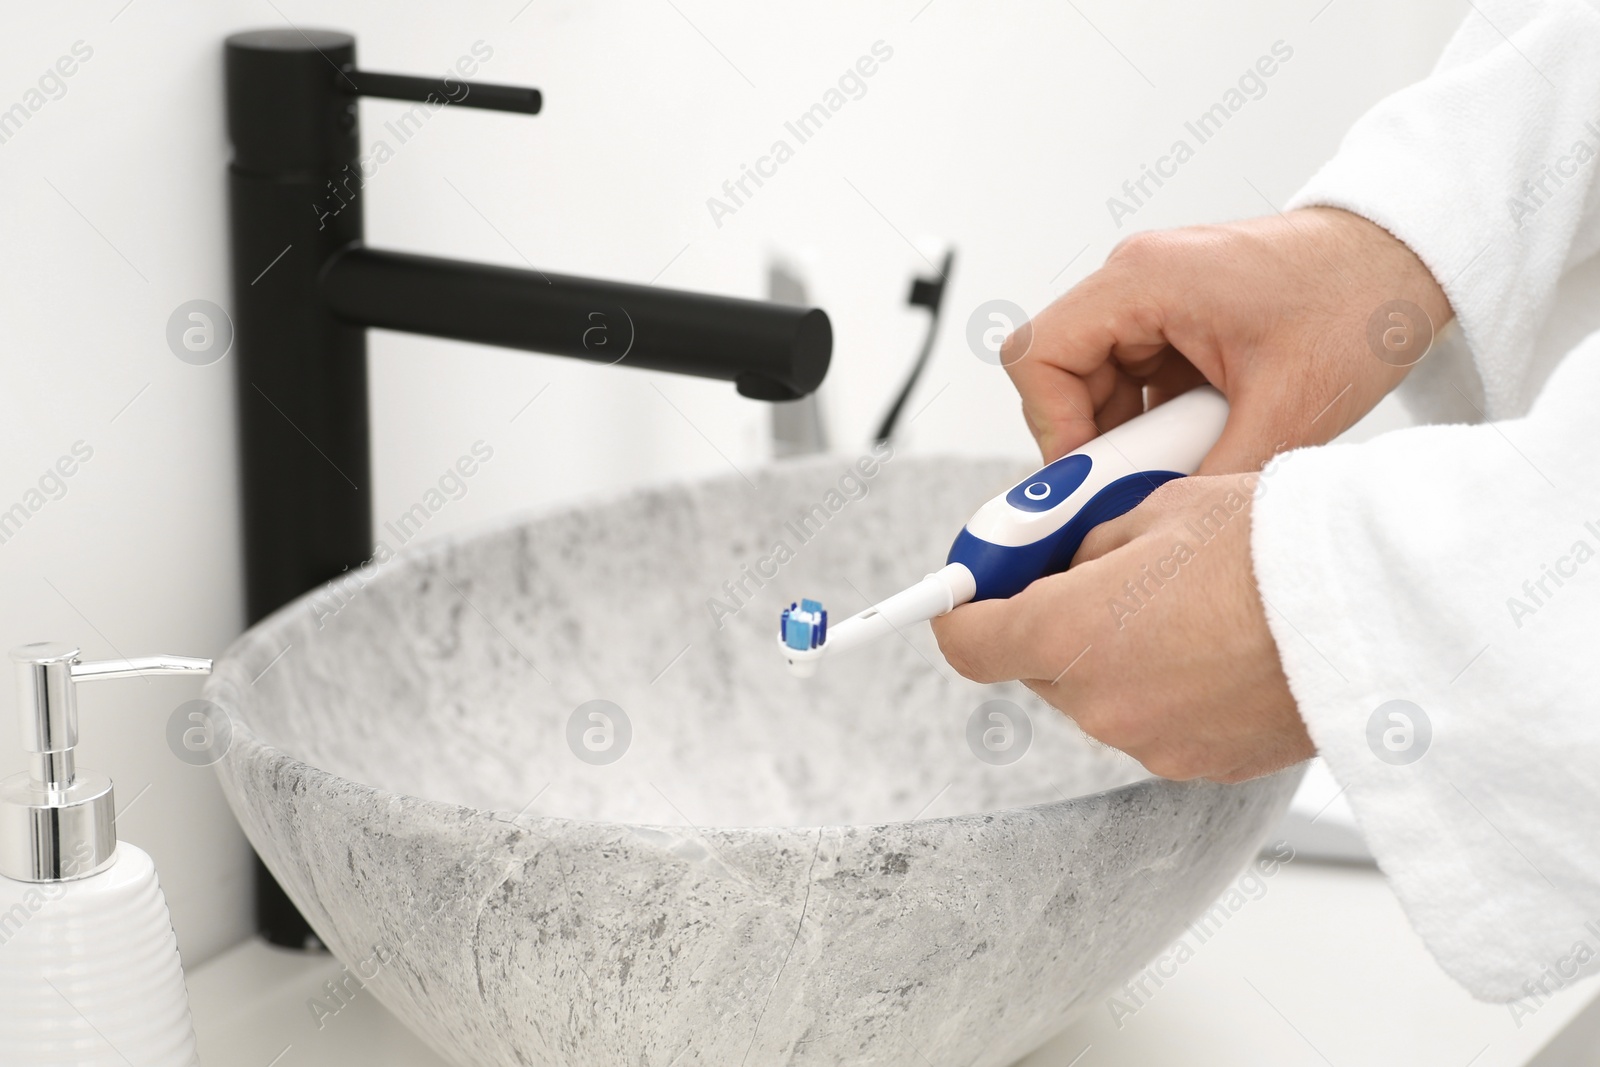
pixel 1321 970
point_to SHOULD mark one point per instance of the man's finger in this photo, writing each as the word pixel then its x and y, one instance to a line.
pixel 983 641
pixel 1111 535
pixel 1175 375
pixel 1057 406
pixel 1250 438
pixel 1069 360
pixel 1035 634
pixel 1124 396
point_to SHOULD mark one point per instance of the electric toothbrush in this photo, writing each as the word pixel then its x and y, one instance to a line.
pixel 1031 530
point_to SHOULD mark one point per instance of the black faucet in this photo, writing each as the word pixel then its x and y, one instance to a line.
pixel 306 288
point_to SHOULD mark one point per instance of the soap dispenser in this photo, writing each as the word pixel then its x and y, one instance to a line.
pixel 89 971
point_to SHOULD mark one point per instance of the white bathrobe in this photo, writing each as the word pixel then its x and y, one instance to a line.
pixel 1457 567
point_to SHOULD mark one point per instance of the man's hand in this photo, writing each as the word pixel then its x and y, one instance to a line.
pixel 1274 312
pixel 1155 642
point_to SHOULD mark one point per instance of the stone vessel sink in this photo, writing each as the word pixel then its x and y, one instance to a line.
pixel 773 870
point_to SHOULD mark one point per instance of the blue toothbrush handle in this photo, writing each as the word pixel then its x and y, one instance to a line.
pixel 1035 528
pixel 1006 570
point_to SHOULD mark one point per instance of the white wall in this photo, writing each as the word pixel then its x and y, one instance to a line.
pixel 1002 128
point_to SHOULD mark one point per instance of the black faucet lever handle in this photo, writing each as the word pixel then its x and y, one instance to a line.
pixel 446 90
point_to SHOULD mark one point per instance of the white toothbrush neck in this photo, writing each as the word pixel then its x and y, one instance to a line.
pixel 943 590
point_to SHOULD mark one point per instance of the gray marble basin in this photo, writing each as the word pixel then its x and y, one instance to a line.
pixel 739 868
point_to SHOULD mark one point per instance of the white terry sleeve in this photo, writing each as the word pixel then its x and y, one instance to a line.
pixel 1456 569
pixel 1435 592
pixel 1485 170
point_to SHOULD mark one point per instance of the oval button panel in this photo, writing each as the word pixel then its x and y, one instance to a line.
pixel 1046 488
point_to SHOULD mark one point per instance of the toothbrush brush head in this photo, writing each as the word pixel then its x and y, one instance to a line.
pixel 802 633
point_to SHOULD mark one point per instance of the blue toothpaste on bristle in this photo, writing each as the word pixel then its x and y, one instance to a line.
pixel 1031 530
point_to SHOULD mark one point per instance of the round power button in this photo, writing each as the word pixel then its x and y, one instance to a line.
pixel 1057 481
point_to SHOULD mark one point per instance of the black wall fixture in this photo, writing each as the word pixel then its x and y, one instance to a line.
pixel 306 288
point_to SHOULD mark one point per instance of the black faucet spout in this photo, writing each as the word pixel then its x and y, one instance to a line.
pixel 769 351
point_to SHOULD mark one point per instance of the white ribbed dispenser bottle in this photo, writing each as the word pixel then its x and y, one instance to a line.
pixel 89 971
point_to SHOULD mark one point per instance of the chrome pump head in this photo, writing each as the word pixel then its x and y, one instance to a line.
pixel 58 823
